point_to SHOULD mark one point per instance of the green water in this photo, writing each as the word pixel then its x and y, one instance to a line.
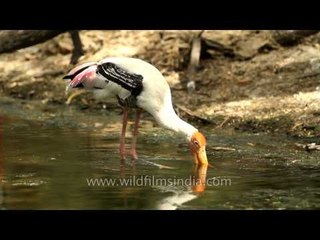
pixel 47 166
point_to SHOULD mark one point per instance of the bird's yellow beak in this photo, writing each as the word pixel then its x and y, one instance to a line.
pixel 200 156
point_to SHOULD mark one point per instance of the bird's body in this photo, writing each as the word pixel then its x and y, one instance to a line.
pixel 136 84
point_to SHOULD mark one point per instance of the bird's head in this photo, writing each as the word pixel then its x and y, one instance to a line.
pixel 197 145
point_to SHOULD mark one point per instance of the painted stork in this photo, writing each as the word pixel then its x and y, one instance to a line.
pixel 136 84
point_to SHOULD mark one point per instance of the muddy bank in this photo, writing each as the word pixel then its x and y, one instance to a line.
pixel 261 87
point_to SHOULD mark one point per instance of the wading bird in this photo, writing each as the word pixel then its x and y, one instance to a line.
pixel 136 84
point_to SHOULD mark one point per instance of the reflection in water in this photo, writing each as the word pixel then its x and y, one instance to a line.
pixel 198 184
pixel 47 166
pixel 200 175
pixel 175 201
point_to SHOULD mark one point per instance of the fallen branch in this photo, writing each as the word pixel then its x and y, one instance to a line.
pixel 208 44
pixel 291 37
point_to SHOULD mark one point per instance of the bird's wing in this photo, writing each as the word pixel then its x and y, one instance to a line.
pixel 114 73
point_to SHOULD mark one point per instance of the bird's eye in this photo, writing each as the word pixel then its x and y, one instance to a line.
pixel 196 143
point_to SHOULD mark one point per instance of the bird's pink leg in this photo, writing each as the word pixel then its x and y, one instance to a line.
pixel 122 148
pixel 135 135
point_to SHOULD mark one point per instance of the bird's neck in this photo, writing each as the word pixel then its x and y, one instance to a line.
pixel 167 118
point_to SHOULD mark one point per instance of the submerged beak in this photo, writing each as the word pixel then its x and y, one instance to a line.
pixel 200 156
pixel 200 173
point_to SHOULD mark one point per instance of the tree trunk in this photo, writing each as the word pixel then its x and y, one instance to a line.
pixel 11 40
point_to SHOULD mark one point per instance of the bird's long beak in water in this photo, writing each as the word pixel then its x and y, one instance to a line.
pixel 200 156
pixel 197 146
pixel 200 174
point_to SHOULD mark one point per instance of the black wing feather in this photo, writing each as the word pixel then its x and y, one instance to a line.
pixel 130 81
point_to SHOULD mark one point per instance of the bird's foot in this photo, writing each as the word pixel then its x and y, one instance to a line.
pixel 123 154
pixel 134 154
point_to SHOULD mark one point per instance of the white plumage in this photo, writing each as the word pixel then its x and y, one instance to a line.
pixel 120 77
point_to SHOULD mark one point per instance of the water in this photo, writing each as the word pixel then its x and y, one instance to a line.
pixel 48 166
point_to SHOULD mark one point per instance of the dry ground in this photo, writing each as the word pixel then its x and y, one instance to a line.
pixel 264 87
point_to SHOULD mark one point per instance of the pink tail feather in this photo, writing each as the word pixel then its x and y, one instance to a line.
pixel 84 74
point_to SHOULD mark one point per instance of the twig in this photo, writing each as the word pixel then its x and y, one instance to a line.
pixel 195 55
pixel 77 51
pixel 73 95
pixel 296 125
pixel 224 122
pixel 192 114
pixel 156 164
pixel 223 149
